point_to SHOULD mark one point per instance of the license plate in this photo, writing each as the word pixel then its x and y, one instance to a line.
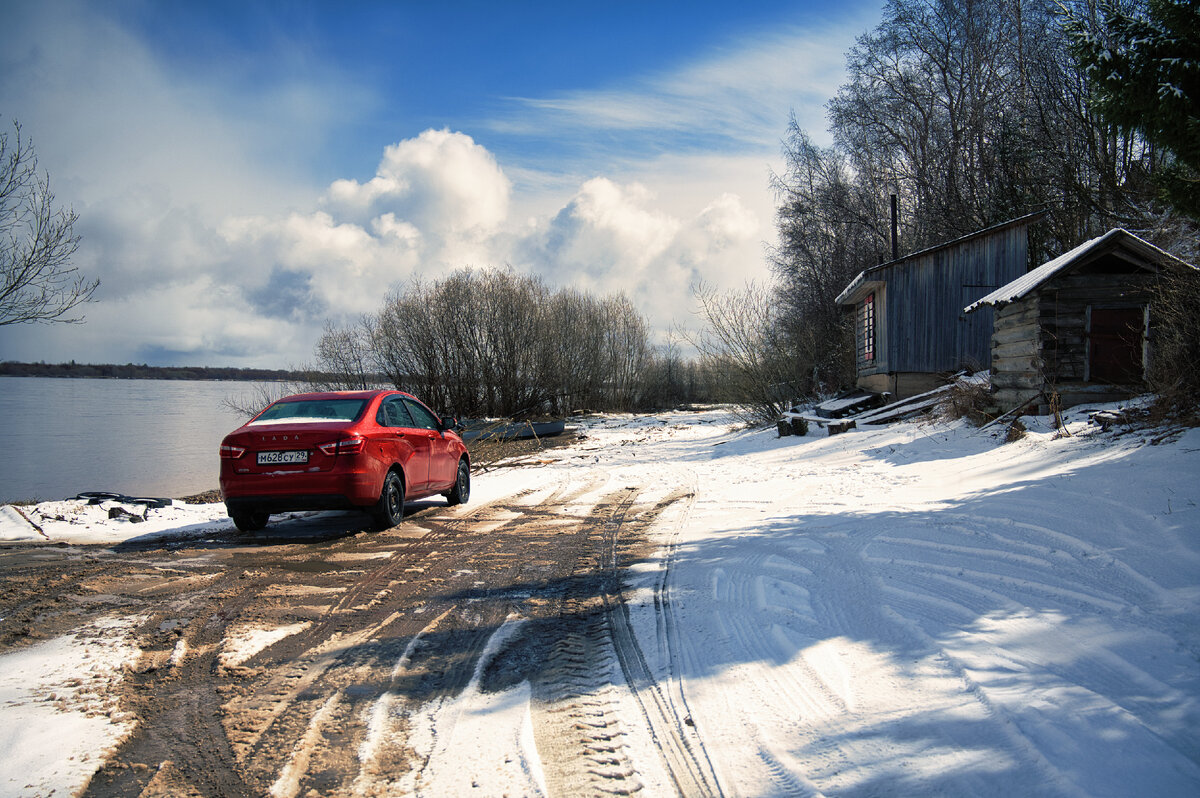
pixel 275 458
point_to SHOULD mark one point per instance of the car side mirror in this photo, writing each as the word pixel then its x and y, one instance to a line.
pixel 450 422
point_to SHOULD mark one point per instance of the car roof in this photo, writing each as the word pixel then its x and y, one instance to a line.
pixel 320 395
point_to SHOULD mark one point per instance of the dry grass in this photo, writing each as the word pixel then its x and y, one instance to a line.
pixel 1016 431
pixel 207 497
pixel 969 400
pixel 489 453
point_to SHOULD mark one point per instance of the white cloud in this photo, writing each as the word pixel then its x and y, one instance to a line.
pixel 738 96
pixel 606 234
pixel 439 194
pixel 403 233
pixel 608 237
pixel 257 289
pixel 442 182
pixel 612 238
pixel 726 220
pixel 154 161
pixel 171 323
pixel 109 118
pixel 322 268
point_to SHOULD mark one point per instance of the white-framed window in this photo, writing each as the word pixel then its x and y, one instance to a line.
pixel 866 329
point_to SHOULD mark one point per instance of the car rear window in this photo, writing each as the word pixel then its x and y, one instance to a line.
pixel 312 410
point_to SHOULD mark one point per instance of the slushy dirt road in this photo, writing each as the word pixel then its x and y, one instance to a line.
pixel 292 663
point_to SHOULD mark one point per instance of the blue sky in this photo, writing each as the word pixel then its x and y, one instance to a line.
pixel 246 171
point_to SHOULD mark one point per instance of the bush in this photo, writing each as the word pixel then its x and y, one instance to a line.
pixel 498 344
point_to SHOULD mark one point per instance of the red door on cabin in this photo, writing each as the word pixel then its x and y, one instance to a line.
pixel 1115 345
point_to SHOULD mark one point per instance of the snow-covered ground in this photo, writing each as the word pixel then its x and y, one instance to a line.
pixel 907 610
pixel 58 713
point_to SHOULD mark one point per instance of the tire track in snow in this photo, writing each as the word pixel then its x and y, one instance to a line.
pixel 880 647
pixel 582 730
pixel 580 726
pixel 977 568
pixel 345 650
pixel 1003 564
pixel 595 668
pixel 329 652
pixel 385 747
pixel 664 706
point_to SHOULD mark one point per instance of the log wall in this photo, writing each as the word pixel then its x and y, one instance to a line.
pixel 1040 342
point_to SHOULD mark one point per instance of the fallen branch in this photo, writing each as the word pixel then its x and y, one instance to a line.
pixel 29 521
pixel 1021 406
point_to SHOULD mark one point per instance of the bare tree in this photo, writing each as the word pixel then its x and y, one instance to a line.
pixel 262 395
pixel 830 226
pixel 627 343
pixel 670 380
pixel 1173 375
pixel 37 282
pixel 741 348
pixel 345 360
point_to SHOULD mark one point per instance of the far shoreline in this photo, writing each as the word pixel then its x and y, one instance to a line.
pixel 143 371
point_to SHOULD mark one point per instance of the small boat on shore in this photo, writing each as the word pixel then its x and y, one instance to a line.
pixel 514 430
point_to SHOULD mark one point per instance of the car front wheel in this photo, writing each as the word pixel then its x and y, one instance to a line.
pixel 389 511
pixel 461 491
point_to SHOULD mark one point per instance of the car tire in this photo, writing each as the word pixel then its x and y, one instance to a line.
pixel 461 491
pixel 250 520
pixel 389 511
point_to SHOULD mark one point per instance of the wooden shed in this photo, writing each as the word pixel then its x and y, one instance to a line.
pixel 1077 326
pixel 910 329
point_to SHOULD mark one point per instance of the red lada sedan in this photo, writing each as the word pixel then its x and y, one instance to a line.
pixel 367 450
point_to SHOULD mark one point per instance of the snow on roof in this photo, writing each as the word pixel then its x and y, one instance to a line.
pixel 849 290
pixel 1026 283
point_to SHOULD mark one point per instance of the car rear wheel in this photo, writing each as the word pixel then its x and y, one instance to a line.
pixel 461 491
pixel 389 511
pixel 250 520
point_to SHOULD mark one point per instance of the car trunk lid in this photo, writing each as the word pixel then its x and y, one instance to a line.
pixel 288 446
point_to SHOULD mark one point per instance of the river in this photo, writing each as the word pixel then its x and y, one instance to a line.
pixel 138 437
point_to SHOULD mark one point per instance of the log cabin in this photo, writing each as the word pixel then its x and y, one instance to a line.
pixel 1078 328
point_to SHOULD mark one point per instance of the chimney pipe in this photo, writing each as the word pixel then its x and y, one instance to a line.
pixel 895 227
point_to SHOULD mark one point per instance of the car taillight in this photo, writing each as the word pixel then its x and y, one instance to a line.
pixel 229 452
pixel 344 446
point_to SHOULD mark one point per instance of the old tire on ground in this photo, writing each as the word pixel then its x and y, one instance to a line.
pixel 389 510
pixel 250 520
pixel 461 492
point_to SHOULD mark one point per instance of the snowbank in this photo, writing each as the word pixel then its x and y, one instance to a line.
pixel 77 521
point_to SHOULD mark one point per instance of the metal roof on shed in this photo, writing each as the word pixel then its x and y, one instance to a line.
pixel 866 275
